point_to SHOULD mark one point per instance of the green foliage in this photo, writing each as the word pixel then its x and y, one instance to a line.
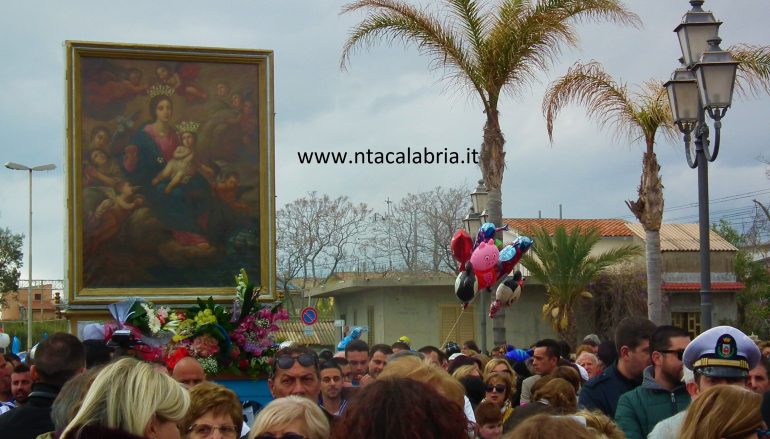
pixel 564 264
pixel 39 329
pixel 619 292
pixel 10 261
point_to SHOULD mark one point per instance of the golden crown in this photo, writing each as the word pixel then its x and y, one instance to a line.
pixel 187 127
pixel 160 89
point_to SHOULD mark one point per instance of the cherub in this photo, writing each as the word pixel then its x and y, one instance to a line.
pixel 182 165
pixel 101 170
pixel 111 213
pixel 226 188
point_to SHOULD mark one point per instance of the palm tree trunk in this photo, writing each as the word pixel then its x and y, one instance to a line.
pixel 648 209
pixel 492 167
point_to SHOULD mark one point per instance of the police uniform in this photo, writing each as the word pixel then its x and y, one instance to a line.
pixel 720 352
pixel 723 352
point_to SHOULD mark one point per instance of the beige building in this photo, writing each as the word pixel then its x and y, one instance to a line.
pixel 17 303
pixel 424 307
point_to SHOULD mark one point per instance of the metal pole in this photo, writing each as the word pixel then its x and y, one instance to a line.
pixel 30 309
pixel 483 316
pixel 701 141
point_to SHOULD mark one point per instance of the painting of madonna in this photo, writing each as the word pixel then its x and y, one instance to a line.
pixel 169 170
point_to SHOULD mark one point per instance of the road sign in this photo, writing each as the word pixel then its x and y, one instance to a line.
pixel 339 323
pixel 309 315
pixel 308 331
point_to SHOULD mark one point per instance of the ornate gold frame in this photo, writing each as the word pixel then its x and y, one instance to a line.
pixel 81 297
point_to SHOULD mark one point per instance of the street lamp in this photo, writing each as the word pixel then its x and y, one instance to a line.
pixel 473 222
pixel 18 167
pixel 704 84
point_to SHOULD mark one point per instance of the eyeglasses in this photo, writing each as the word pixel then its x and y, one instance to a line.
pixel 205 430
pixel 287 361
pixel 284 436
pixel 679 352
pixel 499 388
pixel 763 433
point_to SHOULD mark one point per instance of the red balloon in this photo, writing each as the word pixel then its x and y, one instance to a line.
pixel 462 247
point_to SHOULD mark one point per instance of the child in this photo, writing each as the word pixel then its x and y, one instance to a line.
pixel 489 421
pixel 109 216
pixel 182 165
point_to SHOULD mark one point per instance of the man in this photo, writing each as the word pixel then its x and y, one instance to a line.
pixel 662 393
pixel 189 372
pixel 295 372
pixel 21 384
pixel 632 338
pixel 57 359
pixel 720 355
pixel 332 400
pixel 378 359
pixel 545 358
pixel 6 395
pixel 357 354
pixel 593 341
pixel 758 377
pixel 399 346
pixel 590 362
pixel 434 356
pixel 347 374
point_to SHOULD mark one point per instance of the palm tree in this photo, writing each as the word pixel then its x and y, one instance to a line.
pixel 640 115
pixel 564 264
pixel 488 51
pixel 634 115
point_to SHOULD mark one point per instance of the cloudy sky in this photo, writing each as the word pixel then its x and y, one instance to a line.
pixel 387 100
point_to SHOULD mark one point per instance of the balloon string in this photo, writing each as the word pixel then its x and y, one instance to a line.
pixel 443 345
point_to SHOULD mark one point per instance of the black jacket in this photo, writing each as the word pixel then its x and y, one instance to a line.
pixel 603 391
pixel 34 417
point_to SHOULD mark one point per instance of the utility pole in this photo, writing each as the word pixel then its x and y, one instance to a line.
pixel 389 218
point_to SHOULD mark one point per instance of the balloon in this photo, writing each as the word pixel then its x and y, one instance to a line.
pixel 5 340
pixel 466 284
pixel 16 345
pixel 487 231
pixel 462 247
pixel 509 291
pixel 512 254
pixel 518 355
pixel 354 334
pixel 484 260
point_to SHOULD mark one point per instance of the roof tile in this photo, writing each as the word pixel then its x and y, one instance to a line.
pixel 606 227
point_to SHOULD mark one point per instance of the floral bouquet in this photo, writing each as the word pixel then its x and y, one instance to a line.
pixel 240 341
pixel 146 328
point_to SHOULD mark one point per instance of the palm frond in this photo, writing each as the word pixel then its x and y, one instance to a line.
pixel 589 85
pixel 393 20
pixel 753 75
pixel 531 39
pixel 473 22
pixel 654 112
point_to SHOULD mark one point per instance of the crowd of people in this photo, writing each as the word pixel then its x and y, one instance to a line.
pixel 648 382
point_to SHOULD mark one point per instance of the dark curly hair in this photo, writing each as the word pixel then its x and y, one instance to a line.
pixel 401 408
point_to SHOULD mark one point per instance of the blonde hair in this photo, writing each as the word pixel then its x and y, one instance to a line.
pixel 414 368
pixel 283 411
pixel 601 424
pixel 723 411
pixel 464 371
pixel 493 363
pixel 208 397
pixel 126 395
pixel 559 393
pixel 548 427
pixel 497 376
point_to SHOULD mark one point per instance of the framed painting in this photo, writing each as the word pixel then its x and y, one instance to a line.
pixel 170 159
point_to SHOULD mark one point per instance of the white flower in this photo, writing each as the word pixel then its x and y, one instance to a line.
pixel 152 320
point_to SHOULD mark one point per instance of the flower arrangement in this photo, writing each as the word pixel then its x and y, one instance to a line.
pixel 240 341
pixel 237 341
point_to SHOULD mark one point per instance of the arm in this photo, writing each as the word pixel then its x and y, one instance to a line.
pixel 626 416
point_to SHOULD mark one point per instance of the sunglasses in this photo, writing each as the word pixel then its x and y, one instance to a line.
pixel 762 434
pixel 284 436
pixel 205 430
pixel 499 388
pixel 679 353
pixel 287 361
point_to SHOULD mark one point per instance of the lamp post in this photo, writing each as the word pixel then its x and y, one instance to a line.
pixel 18 167
pixel 473 221
pixel 704 84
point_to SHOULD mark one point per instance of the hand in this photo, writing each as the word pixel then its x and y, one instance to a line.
pixel 366 380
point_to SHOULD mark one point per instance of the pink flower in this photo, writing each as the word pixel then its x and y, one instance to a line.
pixel 205 345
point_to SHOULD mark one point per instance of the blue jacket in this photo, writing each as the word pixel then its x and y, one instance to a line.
pixel 642 408
pixel 603 391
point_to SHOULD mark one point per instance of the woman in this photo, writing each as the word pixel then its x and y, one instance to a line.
pixel 498 390
pixel 213 408
pixel 550 395
pixel 723 411
pixel 290 417
pixel 184 209
pixel 550 427
pixel 130 400
pixel 401 408
pixel 500 365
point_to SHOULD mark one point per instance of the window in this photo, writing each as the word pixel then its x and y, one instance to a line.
pixel 38 296
pixel 689 321
pixel 455 324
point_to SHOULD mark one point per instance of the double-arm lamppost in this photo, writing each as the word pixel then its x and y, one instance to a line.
pixel 18 167
pixel 704 84
pixel 473 221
